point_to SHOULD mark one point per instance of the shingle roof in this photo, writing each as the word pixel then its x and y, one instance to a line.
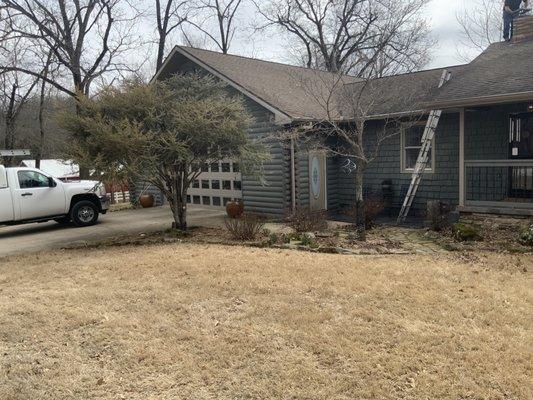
pixel 502 70
pixel 301 94
pixel 290 89
pixel 395 94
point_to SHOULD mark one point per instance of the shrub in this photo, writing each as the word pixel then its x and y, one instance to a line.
pixel 437 215
pixel 305 220
pixel 246 227
pixel 273 239
pixel 308 239
pixel 526 237
pixel 464 232
pixel 374 205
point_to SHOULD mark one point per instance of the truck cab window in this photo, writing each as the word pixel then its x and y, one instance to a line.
pixel 32 179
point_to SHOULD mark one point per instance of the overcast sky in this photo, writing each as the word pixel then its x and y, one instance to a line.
pixel 441 15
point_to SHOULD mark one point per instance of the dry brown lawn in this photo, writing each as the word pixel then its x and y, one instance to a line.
pixel 212 322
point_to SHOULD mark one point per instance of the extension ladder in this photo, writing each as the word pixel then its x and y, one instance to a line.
pixel 423 156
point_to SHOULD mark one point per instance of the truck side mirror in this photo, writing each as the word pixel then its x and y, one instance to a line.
pixel 52 183
pixel 3 177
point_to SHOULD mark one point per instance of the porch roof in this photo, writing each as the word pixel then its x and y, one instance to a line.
pixel 503 73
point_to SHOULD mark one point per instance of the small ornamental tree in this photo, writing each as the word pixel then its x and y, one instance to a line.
pixel 162 133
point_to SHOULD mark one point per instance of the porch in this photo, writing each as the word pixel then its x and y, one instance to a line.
pixel 498 180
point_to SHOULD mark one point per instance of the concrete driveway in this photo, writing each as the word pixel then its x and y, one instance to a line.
pixel 29 238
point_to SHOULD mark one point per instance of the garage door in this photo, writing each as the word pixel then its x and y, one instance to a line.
pixel 218 183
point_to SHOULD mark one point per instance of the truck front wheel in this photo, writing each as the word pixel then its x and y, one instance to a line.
pixel 84 213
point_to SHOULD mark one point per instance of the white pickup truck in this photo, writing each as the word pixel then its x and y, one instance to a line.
pixel 30 195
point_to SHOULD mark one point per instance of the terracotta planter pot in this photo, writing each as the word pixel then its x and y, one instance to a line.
pixel 147 201
pixel 234 209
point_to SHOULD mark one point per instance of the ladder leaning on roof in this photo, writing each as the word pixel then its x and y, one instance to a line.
pixel 423 156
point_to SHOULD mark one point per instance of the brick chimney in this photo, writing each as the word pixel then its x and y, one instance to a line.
pixel 523 28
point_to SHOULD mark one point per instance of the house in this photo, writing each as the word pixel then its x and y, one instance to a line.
pixel 60 169
pixel 481 157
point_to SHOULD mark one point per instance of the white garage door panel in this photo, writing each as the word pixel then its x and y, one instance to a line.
pixel 219 183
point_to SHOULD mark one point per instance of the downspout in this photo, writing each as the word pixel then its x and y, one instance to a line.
pixel 293 177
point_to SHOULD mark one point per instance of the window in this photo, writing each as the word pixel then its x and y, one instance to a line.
pixel 226 167
pixel 216 201
pixel 215 184
pixel 237 185
pixel 410 148
pixel 215 167
pixel 196 184
pixel 32 179
pixel 196 199
pixel 206 200
pixel 205 184
pixel 226 185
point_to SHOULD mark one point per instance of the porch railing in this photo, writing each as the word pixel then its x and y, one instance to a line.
pixel 499 183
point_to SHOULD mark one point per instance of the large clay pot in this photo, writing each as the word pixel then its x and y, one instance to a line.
pixel 234 209
pixel 146 201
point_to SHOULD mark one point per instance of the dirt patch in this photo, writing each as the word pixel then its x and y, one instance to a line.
pixel 201 321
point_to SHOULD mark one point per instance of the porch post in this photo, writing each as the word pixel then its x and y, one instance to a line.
pixel 462 157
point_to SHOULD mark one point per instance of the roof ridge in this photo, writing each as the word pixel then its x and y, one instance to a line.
pixel 262 60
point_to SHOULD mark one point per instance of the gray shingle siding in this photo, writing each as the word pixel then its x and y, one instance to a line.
pixel 442 184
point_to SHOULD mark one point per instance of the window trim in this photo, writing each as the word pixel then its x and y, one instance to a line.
pixel 403 169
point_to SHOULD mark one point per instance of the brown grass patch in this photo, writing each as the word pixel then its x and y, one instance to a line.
pixel 189 321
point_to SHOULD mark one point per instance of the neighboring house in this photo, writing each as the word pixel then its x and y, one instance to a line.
pixel 482 156
pixel 60 169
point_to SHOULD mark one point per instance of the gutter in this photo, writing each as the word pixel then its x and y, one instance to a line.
pixel 483 100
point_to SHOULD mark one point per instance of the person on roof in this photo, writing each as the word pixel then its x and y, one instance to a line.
pixel 510 9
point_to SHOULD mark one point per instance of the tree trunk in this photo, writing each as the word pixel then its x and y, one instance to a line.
pixel 160 50
pixel 179 212
pixel 9 139
pixel 40 151
pixel 360 219
pixel 80 90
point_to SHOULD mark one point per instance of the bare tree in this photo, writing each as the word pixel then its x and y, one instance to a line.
pixel 481 25
pixel 16 90
pixel 216 19
pixel 86 38
pixel 351 35
pixel 170 15
pixel 44 94
pixel 357 118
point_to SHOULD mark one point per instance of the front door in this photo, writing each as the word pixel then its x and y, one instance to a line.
pixel 317 181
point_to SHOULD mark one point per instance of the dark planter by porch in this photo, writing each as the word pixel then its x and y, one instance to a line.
pixel 147 201
pixel 234 209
